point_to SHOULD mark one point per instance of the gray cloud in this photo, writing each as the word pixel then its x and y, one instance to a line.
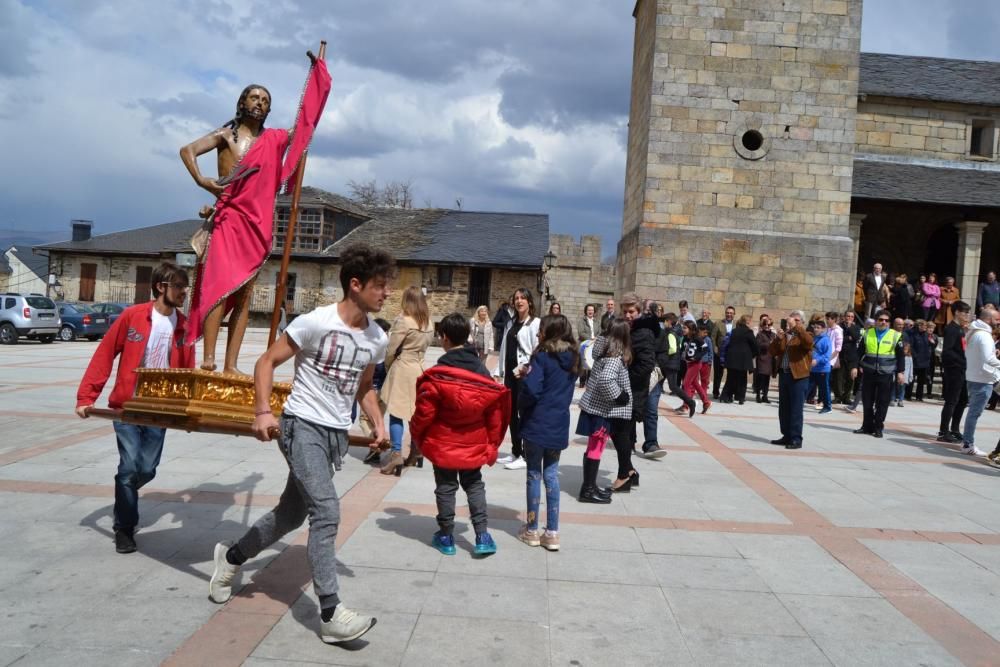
pixel 16 49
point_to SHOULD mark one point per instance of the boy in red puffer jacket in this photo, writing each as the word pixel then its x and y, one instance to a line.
pixel 459 420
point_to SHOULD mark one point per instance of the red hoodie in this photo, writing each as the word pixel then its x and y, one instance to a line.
pixel 460 418
pixel 128 337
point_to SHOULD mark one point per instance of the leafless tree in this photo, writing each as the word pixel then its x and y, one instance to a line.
pixel 365 193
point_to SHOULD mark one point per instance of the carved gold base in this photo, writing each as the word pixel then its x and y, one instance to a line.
pixel 192 399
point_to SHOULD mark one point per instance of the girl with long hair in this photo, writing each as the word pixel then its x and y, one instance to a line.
pixel 546 394
pixel 606 410
pixel 519 339
pixel 409 337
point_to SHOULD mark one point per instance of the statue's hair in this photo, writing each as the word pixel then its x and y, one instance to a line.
pixel 237 120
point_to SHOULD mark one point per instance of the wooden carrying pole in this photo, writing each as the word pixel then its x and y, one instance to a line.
pixel 293 216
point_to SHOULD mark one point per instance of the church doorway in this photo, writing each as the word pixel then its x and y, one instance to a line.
pixel 941 256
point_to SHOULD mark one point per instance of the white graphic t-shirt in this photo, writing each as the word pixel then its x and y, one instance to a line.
pixel 331 359
pixel 161 337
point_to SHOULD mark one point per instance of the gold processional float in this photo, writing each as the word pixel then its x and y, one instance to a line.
pixel 192 399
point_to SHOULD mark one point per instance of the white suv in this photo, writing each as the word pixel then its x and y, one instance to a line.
pixel 33 316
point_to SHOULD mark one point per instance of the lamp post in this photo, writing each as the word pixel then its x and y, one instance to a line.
pixel 550 262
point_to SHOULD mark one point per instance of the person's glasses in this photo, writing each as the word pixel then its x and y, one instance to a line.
pixel 881 319
pixel 181 286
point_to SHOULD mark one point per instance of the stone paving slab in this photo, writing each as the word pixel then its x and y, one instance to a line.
pixel 852 551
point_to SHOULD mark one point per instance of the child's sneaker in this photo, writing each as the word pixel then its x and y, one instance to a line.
pixel 550 540
pixel 444 543
pixel 529 536
pixel 485 545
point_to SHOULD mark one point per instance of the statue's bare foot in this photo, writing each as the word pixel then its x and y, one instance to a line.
pixel 232 370
pixel 208 365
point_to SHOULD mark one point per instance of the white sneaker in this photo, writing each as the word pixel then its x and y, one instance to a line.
pixel 506 458
pixel 517 464
pixel 972 450
pixel 345 626
pixel 220 586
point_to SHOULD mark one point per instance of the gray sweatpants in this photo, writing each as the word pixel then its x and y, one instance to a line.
pixel 475 490
pixel 311 451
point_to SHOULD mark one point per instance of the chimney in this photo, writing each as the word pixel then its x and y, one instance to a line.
pixel 81 229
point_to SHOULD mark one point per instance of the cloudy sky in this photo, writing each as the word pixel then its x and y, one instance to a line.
pixel 515 105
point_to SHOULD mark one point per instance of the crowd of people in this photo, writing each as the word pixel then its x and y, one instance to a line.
pixel 459 412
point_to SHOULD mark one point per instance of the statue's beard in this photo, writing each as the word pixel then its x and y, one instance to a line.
pixel 255 114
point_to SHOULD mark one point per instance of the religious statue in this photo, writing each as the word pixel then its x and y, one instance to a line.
pixel 254 163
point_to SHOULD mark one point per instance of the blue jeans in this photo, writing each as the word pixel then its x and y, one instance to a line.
pixel 139 450
pixel 979 395
pixel 791 399
pixel 821 381
pixel 542 464
pixel 396 433
pixel 900 391
pixel 652 415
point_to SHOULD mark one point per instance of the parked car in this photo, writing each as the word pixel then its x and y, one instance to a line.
pixel 80 319
pixel 111 309
pixel 33 316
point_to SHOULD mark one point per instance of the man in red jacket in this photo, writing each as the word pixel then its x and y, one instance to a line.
pixel 150 335
pixel 458 422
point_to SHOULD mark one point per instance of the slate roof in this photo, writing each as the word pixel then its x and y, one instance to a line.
pixel 37 264
pixel 936 79
pixel 4 265
pixel 898 181
pixel 157 240
pixel 444 236
pixel 311 195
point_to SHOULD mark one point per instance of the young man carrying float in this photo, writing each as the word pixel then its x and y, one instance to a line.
pixel 149 335
pixel 336 349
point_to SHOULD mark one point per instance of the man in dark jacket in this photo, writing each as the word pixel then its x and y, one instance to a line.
pixel 920 346
pixel 989 292
pixel 849 356
pixel 609 315
pixel 955 394
pixel 505 313
pixel 718 332
pixel 740 354
pixel 645 331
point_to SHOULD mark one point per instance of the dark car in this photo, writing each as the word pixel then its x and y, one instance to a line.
pixel 111 309
pixel 80 319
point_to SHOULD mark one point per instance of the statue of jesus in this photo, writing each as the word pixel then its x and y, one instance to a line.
pixel 254 162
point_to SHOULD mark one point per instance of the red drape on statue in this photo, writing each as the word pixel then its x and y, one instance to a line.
pixel 240 241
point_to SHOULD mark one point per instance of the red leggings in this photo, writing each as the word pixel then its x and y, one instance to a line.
pixel 693 382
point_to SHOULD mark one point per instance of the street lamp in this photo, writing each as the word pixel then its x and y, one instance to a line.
pixel 550 262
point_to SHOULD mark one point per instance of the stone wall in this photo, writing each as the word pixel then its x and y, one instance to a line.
pixel 917 129
pixel 115 280
pixel 746 191
pixel 579 277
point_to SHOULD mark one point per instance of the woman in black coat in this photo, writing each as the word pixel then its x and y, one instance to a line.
pixel 740 356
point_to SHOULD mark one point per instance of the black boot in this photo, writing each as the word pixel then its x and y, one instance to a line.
pixel 589 493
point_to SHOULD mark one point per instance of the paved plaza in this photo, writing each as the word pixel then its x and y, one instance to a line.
pixel 852 551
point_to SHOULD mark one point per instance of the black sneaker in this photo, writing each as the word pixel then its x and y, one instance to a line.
pixel 947 437
pixel 124 542
pixel 877 434
pixel 957 435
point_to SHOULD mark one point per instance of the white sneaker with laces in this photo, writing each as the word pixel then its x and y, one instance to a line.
pixel 506 458
pixel 220 586
pixel 346 625
pixel 972 450
pixel 517 464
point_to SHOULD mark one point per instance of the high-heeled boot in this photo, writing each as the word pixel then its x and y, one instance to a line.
pixel 589 493
pixel 394 466
pixel 414 458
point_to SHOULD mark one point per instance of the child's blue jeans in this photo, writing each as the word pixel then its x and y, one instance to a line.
pixel 543 464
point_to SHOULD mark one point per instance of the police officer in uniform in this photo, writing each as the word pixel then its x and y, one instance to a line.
pixel 882 360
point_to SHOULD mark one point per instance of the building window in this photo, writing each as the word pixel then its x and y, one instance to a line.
pixel 982 139
pixel 444 276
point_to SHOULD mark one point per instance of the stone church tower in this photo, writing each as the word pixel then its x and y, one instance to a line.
pixel 740 152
